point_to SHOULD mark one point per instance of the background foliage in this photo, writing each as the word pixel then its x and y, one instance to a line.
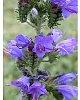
pixel 12 27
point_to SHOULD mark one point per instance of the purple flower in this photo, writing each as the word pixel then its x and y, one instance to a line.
pixel 15 52
pixel 22 83
pixel 22 42
pixel 66 46
pixel 11 44
pixel 56 34
pixel 66 78
pixel 17 46
pixel 68 6
pixel 43 44
pixel 37 89
pixel 68 92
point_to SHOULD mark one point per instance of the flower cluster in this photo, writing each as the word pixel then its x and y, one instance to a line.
pixel 54 10
pixel 42 45
pixel 36 89
pixel 30 53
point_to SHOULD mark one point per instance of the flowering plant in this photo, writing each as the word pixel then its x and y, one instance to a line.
pixel 29 53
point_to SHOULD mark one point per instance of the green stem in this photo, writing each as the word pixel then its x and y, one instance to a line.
pixel 39 25
pixel 30 23
pixel 38 29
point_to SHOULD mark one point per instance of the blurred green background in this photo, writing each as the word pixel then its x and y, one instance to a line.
pixel 12 27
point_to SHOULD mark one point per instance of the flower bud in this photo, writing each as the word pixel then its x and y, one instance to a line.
pixel 34 12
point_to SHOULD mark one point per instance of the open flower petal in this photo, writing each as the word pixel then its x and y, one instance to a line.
pixel 15 52
pixel 56 34
pixel 68 92
pixel 22 41
pixel 22 83
pixel 67 46
pixel 66 78
pixel 37 89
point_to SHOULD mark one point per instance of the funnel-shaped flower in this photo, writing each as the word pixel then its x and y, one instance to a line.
pixel 37 89
pixel 22 41
pixel 66 78
pixel 43 44
pixel 17 46
pixel 15 52
pixel 68 6
pixel 11 44
pixel 68 92
pixel 22 83
pixel 66 46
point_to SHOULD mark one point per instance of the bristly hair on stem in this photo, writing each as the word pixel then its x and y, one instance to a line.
pixel 46 11
pixel 36 82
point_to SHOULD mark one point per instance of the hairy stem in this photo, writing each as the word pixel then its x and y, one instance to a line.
pixel 26 97
pixel 39 25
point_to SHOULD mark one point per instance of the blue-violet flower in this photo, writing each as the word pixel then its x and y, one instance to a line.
pixel 37 89
pixel 66 46
pixel 22 83
pixel 66 78
pixel 15 52
pixel 68 6
pixel 43 44
pixel 68 92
